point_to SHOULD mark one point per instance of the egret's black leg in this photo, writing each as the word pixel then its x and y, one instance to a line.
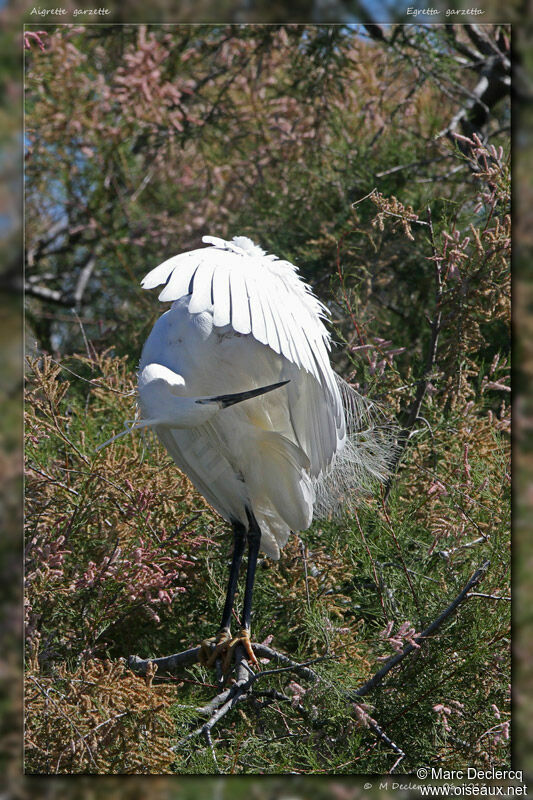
pixel 223 639
pixel 254 540
pixel 239 540
pixel 224 643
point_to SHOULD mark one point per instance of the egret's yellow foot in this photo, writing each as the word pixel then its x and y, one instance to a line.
pixel 243 639
pixel 209 654
pixel 225 646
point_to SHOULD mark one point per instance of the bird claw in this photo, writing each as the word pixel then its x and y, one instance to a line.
pixel 205 651
pixel 209 654
pixel 225 646
pixel 244 639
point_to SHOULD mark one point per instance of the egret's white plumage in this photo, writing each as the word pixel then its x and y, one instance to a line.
pixel 242 320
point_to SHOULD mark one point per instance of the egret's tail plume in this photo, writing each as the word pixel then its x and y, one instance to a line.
pixel 364 460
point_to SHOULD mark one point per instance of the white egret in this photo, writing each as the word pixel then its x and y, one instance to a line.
pixel 236 381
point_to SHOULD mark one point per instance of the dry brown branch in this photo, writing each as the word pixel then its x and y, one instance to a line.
pixel 76 730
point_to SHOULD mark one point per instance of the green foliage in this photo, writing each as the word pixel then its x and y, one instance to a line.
pixel 324 148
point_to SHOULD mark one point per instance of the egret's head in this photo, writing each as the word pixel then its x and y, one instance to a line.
pixel 247 246
pixel 241 245
pixel 159 390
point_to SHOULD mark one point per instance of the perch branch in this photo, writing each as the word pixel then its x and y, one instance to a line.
pixel 166 664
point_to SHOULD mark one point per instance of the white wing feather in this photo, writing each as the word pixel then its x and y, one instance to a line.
pixel 272 338
pixel 240 309
pixel 183 264
pixel 202 288
pixel 257 314
pixel 221 293
pixel 277 318
pixel 179 281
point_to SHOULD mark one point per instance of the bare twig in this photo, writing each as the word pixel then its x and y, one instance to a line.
pixel 67 298
pixel 473 118
pixel 365 719
pixel 423 383
pixel 465 546
pixel 380 733
pixel 489 596
pixel 421 163
pixel 32 468
pixel 226 699
pixel 395 660
pixel 303 670
pixel 398 760
pixel 172 663
pixel 303 551
pixel 92 381
pixel 83 279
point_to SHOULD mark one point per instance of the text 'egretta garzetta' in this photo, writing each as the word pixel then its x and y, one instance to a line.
pixel 236 381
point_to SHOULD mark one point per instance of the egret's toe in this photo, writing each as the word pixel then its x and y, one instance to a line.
pixel 224 648
pixel 210 654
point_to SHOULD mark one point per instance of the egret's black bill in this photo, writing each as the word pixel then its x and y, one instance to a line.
pixel 230 399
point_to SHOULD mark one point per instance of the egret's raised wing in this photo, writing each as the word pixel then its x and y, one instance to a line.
pixel 254 293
